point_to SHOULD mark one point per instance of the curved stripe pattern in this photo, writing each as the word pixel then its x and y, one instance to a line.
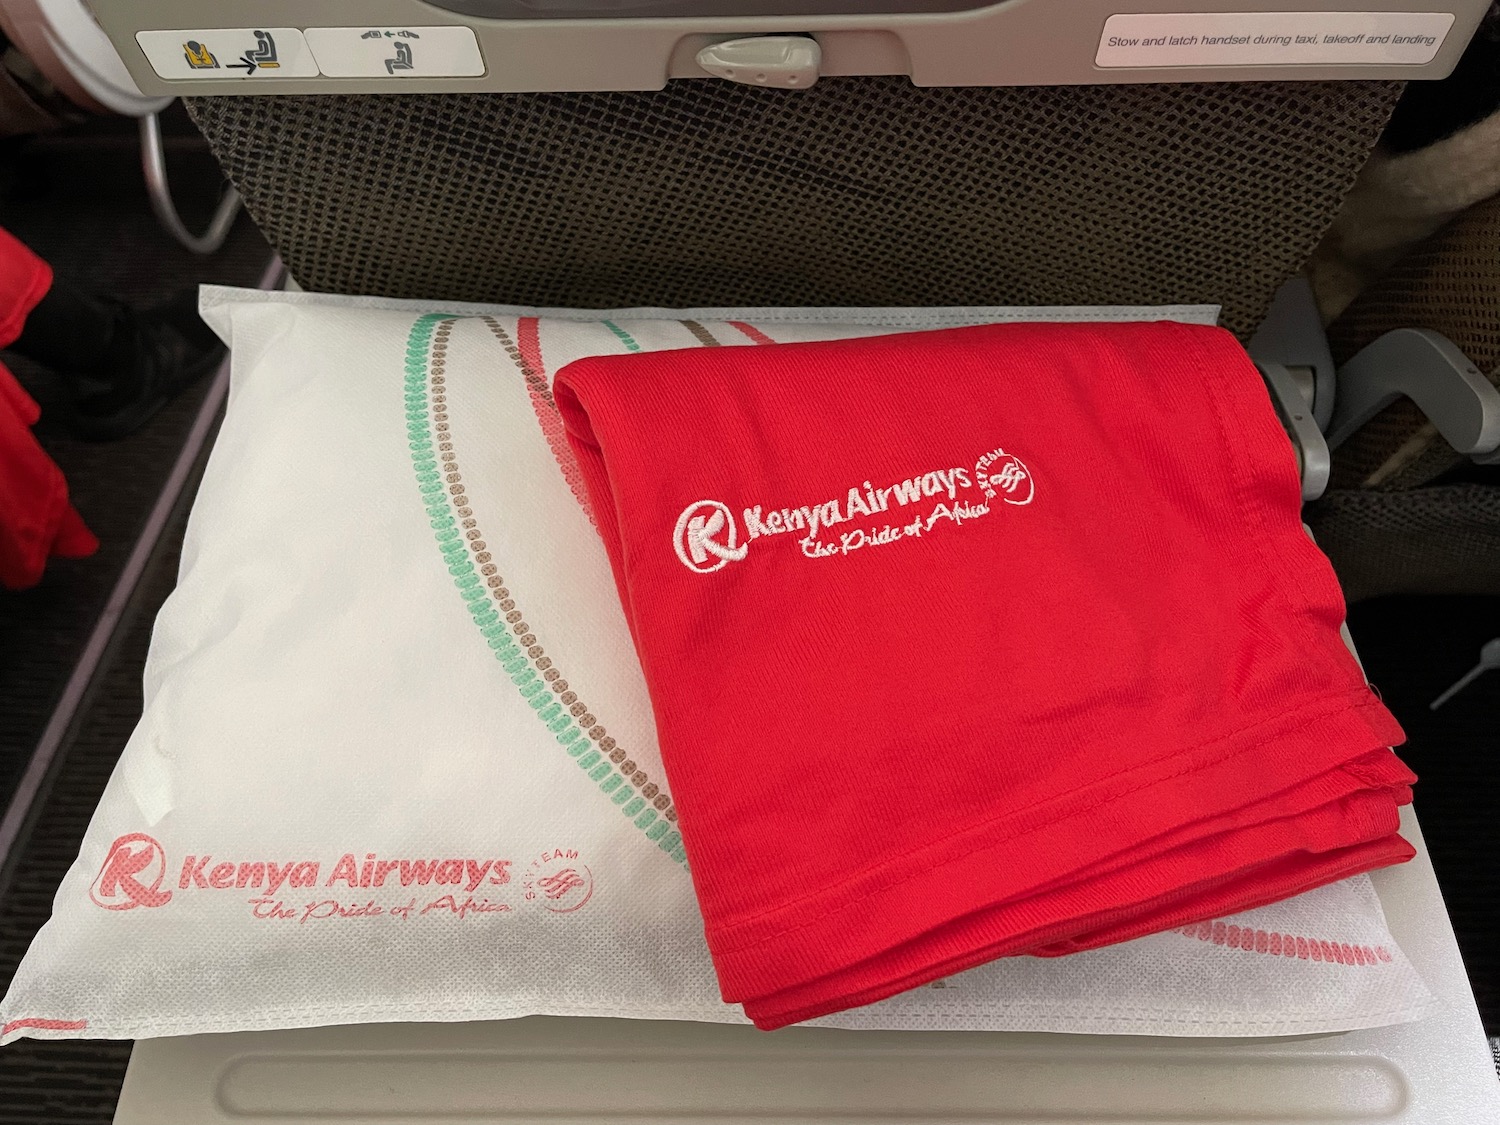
pixel 1296 946
pixel 478 582
pixel 525 352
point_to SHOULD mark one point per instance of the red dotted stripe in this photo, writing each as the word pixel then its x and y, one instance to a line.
pixel 526 352
pixel 529 341
pixel 43 1025
pixel 1250 940
pixel 751 331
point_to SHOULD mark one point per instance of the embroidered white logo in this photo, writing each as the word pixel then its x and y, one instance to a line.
pixel 706 535
pixel 1004 471
pixel 696 537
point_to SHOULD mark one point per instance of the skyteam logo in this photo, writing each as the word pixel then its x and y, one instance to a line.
pixel 1002 472
pixel 559 881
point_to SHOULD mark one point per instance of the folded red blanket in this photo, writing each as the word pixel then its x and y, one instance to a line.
pixel 37 521
pixel 980 642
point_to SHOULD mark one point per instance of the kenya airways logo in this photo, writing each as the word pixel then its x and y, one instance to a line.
pixel 136 867
pixel 707 536
pixel 132 875
pixel 698 537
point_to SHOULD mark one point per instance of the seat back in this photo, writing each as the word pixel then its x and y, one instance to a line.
pixel 859 191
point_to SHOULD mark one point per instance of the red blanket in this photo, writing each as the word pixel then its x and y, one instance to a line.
pixel 973 643
pixel 36 519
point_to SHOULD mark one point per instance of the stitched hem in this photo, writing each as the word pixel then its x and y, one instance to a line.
pixel 1005 859
pixel 1086 1016
pixel 1246 890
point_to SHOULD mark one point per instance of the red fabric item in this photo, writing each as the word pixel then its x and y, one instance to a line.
pixel 972 643
pixel 36 519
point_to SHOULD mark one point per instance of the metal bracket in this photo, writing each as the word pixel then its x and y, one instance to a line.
pixel 1292 335
pixel 154 165
pixel 1313 459
pixel 1427 368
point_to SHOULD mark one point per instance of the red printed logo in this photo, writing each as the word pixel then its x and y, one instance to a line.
pixel 132 875
pixel 559 881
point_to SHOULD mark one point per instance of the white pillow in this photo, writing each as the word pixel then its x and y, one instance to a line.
pixel 361 791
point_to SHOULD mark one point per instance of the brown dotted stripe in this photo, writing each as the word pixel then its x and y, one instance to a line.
pixel 489 572
pixel 534 379
pixel 701 334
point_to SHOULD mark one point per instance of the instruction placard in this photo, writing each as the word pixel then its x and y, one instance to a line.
pixel 1272 38
pixel 396 52
pixel 263 54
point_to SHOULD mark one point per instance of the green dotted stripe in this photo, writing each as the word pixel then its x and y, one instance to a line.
pixel 491 625
pixel 624 337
